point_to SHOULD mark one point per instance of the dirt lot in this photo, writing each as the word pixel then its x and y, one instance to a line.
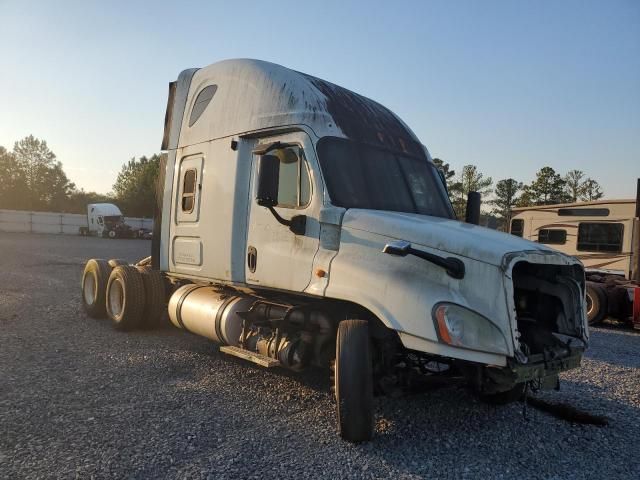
pixel 78 399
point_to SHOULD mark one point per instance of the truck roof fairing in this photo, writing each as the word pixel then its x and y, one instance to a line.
pixel 105 209
pixel 253 95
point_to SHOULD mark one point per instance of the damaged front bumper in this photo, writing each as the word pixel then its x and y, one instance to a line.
pixel 541 368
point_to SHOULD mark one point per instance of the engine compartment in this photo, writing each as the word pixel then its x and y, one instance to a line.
pixel 549 308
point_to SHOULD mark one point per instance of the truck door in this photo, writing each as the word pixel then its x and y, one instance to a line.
pixel 186 249
pixel 100 222
pixel 275 256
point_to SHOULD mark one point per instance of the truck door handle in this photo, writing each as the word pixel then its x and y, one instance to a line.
pixel 252 259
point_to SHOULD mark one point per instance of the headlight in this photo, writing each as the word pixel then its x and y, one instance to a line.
pixel 461 327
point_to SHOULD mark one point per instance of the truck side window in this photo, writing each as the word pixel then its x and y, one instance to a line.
pixel 189 190
pixel 202 101
pixel 600 237
pixel 517 227
pixel 99 220
pixel 294 188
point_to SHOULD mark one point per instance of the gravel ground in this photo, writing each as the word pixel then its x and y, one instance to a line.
pixel 80 400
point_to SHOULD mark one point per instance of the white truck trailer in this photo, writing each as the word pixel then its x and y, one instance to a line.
pixel 300 224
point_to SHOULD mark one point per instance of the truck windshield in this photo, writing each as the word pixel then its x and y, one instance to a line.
pixel 368 177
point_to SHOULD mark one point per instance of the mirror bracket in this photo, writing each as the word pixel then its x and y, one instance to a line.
pixel 297 224
pixel 264 148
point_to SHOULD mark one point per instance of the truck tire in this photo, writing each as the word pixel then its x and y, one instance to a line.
pixel 112 234
pixel 596 303
pixel 116 262
pixel 354 381
pixel 125 297
pixel 94 286
pixel 155 303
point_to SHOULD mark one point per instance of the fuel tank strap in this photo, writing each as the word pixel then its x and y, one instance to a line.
pixel 217 323
pixel 181 301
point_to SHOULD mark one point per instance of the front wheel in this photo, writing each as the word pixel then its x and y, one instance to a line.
pixel 354 381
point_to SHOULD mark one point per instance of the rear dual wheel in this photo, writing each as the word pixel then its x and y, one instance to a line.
pixel 130 296
pixel 597 304
pixel 94 285
pixel 125 298
pixel 155 304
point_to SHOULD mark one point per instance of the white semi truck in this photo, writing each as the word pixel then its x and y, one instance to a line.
pixel 106 220
pixel 102 219
pixel 300 224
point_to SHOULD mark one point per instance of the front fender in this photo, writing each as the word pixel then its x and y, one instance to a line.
pixel 402 291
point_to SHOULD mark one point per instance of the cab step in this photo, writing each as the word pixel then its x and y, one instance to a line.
pixel 254 357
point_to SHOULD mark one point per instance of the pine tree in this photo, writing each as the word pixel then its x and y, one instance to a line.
pixel 135 186
pixel 574 184
pixel 469 180
pixel 506 194
pixel 548 188
pixel 46 186
pixel 446 170
pixel 591 190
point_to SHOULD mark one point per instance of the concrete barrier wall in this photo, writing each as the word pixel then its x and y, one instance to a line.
pixel 137 222
pixel 49 222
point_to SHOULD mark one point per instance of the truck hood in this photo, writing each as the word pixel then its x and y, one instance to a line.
pixel 451 236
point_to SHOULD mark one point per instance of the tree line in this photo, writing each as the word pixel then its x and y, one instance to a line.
pixel 548 188
pixel 32 178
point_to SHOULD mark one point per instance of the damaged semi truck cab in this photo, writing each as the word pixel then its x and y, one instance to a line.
pixel 301 224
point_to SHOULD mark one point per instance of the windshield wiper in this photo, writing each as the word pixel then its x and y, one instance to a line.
pixel 453 266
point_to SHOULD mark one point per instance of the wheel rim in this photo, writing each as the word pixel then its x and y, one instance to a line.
pixel 335 381
pixel 89 289
pixel 116 298
pixel 589 306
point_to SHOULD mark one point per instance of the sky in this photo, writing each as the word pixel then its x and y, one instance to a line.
pixel 509 86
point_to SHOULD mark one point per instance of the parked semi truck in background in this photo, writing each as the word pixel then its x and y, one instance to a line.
pixel 300 224
pixel 605 236
pixel 106 220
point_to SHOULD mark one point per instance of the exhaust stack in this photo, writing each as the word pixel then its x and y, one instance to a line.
pixel 473 208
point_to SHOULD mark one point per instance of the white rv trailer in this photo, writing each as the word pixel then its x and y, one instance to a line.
pixel 301 224
pixel 605 236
